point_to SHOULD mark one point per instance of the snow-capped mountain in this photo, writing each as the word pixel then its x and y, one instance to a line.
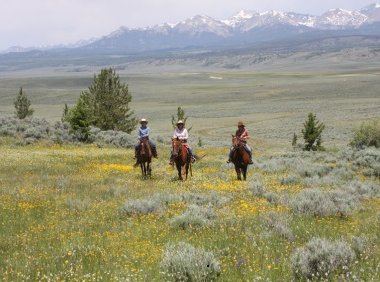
pixel 245 27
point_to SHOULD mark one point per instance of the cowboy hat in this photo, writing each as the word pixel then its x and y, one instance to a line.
pixel 143 120
pixel 240 123
pixel 180 122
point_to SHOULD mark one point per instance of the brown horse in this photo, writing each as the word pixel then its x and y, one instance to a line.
pixel 144 158
pixel 181 157
pixel 240 157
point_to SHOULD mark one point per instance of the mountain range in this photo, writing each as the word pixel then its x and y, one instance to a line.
pixel 246 27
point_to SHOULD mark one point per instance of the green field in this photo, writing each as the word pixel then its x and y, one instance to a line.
pixel 272 105
pixel 83 212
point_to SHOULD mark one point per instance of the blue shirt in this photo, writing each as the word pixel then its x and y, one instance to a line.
pixel 144 132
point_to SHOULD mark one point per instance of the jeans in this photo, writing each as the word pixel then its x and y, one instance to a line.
pixel 190 150
pixel 249 151
pixel 151 143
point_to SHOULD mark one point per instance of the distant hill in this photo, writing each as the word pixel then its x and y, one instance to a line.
pixel 219 40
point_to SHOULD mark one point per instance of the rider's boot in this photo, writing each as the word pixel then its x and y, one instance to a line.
pixel 155 153
pixel 193 159
pixel 250 161
pixel 171 162
pixel 135 157
pixel 229 160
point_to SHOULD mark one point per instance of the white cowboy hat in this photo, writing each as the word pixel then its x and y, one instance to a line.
pixel 143 120
pixel 180 122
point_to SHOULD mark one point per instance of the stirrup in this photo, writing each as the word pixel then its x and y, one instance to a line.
pixel 228 161
pixel 250 161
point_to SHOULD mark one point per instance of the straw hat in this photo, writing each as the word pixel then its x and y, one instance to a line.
pixel 180 122
pixel 143 120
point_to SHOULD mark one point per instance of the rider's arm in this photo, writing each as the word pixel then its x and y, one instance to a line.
pixel 244 135
pixel 147 131
pixel 185 135
pixel 140 134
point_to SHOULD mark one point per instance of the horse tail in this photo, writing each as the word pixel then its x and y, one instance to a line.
pixel 199 158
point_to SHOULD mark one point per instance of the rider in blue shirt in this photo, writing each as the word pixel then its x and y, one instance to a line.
pixel 144 131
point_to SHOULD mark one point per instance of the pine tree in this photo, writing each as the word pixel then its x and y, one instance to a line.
pixel 80 118
pixel 312 132
pixel 108 99
pixel 65 113
pixel 294 140
pixel 180 116
pixel 23 106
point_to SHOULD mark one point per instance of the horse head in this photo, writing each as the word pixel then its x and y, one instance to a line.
pixel 176 144
pixel 144 145
pixel 235 141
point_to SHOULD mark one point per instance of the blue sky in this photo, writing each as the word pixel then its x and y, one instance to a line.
pixel 47 22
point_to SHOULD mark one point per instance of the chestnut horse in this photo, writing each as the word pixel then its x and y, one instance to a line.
pixel 144 158
pixel 181 157
pixel 240 157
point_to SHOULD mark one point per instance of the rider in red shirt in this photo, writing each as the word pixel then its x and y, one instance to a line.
pixel 243 134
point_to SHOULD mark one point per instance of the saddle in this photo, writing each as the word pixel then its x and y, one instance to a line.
pixel 186 146
pixel 244 146
pixel 142 144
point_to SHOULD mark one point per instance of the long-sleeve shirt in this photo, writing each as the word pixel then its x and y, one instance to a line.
pixel 243 134
pixel 181 134
pixel 143 132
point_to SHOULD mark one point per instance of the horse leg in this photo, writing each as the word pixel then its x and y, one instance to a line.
pixel 149 169
pixel 179 172
pixel 142 169
pixel 244 172
pixel 185 170
pixel 238 172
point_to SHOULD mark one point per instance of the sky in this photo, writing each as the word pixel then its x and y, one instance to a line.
pixel 29 23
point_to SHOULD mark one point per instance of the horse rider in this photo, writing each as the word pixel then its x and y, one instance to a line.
pixel 243 134
pixel 181 133
pixel 144 131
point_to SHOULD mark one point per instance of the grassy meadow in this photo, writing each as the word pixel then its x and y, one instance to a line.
pixel 83 212
pixel 273 105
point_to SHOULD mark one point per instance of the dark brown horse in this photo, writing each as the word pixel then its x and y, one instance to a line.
pixel 144 158
pixel 181 157
pixel 240 157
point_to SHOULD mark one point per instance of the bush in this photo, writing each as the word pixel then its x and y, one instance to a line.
pixel 277 224
pixel 320 258
pixel 194 217
pixel 202 199
pixel 183 262
pixel 290 179
pixel 155 204
pixel 367 134
pixel 111 137
pixel 360 244
pixel 257 188
pixel 145 206
pixel 318 203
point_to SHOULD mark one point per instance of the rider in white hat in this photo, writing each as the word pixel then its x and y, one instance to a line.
pixel 181 133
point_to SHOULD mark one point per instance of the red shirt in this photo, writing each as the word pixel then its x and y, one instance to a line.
pixel 243 134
